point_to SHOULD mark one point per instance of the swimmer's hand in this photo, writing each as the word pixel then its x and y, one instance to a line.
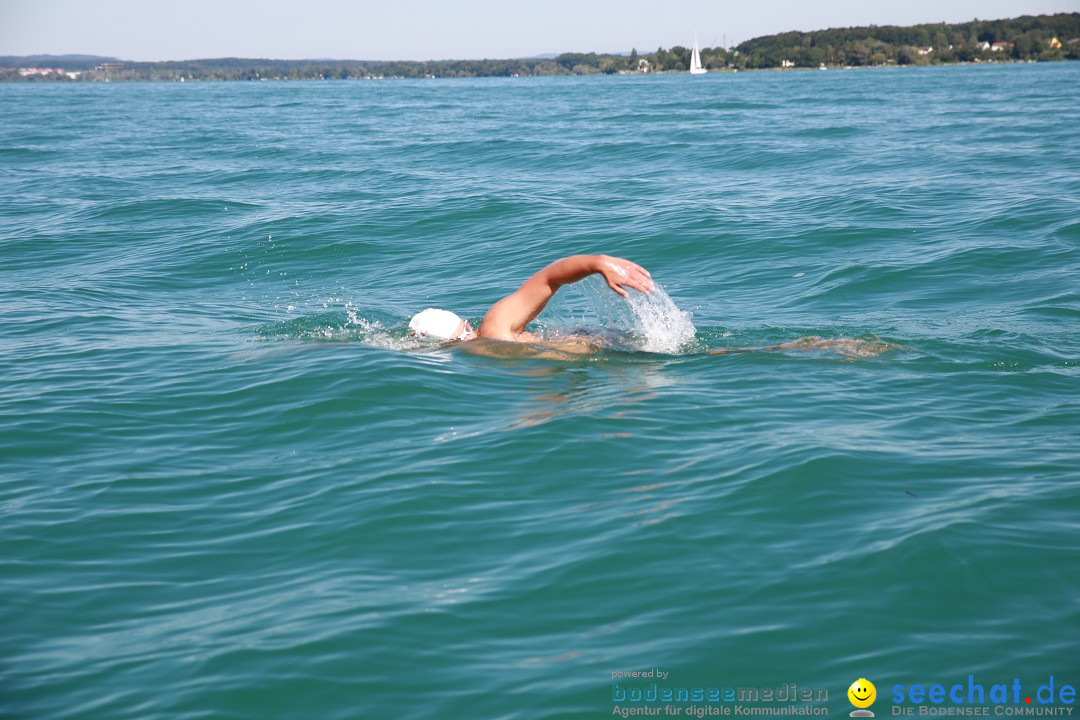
pixel 621 274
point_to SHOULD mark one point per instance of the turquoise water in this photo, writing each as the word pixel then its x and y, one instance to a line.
pixel 233 487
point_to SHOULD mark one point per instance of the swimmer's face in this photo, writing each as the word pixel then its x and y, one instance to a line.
pixel 465 331
pixel 862 693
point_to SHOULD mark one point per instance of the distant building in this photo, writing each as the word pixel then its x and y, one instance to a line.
pixel 110 67
pixel 999 46
pixel 40 71
pixel 643 66
pixel 1054 43
pixel 983 45
pixel 787 64
pixel 926 50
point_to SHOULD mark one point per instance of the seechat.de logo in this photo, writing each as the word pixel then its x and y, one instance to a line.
pixel 862 694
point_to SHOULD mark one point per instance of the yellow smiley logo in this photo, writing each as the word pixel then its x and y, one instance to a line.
pixel 862 694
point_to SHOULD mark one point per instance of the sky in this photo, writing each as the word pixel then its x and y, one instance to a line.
pixel 443 29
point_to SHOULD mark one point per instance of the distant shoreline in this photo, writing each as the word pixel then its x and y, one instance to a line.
pixel 1041 38
pixel 662 73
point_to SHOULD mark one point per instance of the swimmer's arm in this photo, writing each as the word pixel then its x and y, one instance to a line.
pixel 506 320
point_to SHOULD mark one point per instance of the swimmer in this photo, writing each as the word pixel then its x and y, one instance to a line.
pixel 506 320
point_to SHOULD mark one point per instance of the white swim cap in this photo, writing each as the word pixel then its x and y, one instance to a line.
pixel 441 324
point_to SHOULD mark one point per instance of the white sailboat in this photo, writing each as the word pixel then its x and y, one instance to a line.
pixel 695 60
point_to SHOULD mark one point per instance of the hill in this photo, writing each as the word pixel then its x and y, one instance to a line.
pixel 68 62
pixel 1023 38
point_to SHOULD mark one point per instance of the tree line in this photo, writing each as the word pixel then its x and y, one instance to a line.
pixel 1038 38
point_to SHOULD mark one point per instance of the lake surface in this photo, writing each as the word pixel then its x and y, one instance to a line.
pixel 232 486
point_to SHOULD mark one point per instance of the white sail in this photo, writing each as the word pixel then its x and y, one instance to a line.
pixel 695 60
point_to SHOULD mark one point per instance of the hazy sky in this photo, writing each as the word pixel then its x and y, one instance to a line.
pixel 431 30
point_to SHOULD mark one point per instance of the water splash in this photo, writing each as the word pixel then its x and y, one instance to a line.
pixel 653 322
pixel 340 323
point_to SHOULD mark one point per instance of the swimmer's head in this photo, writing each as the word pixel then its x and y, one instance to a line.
pixel 440 325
